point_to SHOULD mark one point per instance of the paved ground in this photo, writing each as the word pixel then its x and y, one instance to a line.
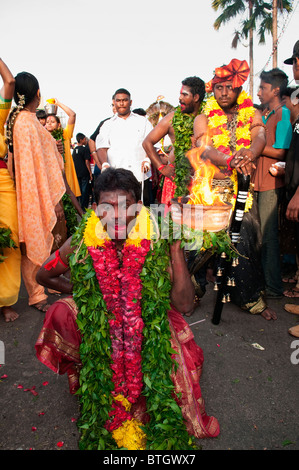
pixel 252 392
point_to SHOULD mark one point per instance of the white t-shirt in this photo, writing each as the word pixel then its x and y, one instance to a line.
pixel 123 138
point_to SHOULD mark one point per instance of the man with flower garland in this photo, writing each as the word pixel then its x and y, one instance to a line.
pixel 130 289
pixel 175 167
pixel 231 134
pixel 178 125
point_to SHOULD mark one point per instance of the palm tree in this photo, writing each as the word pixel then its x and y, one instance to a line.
pixel 259 18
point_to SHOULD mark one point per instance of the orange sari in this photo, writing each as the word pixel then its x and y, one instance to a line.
pixel 70 171
pixel 40 186
pixel 10 268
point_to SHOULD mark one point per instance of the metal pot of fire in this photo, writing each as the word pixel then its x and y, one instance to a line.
pixel 212 218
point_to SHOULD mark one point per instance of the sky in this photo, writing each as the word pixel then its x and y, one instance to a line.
pixel 82 51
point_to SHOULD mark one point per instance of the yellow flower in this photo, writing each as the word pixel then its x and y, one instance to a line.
pixel 210 105
pixel 143 228
pixel 243 133
pixel 130 435
pixel 221 139
pixel 124 402
pixel 94 233
pixel 216 121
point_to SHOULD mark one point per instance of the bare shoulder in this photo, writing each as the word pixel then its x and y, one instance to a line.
pixel 258 117
pixel 200 123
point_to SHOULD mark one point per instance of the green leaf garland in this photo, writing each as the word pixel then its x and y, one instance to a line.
pixel 6 241
pixel 95 375
pixel 166 429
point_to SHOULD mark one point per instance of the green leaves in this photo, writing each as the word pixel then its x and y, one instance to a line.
pixel 95 375
pixel 183 128
pixel 70 214
pixel 166 428
pixel 6 241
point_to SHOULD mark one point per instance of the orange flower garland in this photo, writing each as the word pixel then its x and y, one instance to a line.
pixel 220 135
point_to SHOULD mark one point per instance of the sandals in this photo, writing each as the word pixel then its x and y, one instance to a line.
pixel 294 293
pixel 290 280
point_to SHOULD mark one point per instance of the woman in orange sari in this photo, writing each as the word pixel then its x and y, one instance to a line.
pixel 53 123
pixel 10 267
pixel 40 184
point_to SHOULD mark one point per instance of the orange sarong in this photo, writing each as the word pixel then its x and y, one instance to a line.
pixel 70 171
pixel 38 168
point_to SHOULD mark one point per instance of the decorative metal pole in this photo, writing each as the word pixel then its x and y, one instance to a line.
pixel 234 231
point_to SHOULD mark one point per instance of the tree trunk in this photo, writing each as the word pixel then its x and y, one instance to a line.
pixel 274 32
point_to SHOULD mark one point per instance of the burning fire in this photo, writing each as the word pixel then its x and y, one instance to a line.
pixel 201 191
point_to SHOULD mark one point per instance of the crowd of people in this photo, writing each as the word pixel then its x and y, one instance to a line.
pixel 117 282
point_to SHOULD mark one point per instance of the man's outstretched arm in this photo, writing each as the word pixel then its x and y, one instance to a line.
pixel 51 273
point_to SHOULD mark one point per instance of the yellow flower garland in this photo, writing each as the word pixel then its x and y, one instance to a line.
pixel 95 234
pixel 218 119
pixel 129 434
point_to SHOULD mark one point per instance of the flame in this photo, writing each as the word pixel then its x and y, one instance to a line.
pixel 201 191
pixel 51 101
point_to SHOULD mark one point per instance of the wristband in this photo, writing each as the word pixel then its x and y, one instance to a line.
pixel 94 152
pixel 161 167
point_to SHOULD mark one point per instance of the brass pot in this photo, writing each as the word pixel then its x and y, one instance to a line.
pixel 200 217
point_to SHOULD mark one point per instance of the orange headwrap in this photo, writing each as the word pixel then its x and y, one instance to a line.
pixel 236 71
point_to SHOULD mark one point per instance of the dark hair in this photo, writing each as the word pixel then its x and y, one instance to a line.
pixel 139 111
pixel 277 79
pixel 41 114
pixel 26 88
pixel 122 91
pixel 289 91
pixel 117 178
pixel 55 116
pixel 26 85
pixel 80 136
pixel 197 86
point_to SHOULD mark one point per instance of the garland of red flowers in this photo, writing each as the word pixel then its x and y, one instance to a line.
pixel 127 307
pixel 121 288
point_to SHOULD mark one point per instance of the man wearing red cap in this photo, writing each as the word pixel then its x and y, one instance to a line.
pixel 232 136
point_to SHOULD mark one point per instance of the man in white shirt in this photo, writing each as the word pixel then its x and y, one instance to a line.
pixel 119 144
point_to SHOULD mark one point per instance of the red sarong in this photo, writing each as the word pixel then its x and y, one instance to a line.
pixel 168 190
pixel 58 348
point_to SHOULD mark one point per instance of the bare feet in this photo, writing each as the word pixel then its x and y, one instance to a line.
pixel 41 306
pixel 269 314
pixel 9 314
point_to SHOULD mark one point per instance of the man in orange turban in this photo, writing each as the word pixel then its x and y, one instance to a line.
pixel 236 71
pixel 231 134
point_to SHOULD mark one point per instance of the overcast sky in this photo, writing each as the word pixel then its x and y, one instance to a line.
pixel 81 51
